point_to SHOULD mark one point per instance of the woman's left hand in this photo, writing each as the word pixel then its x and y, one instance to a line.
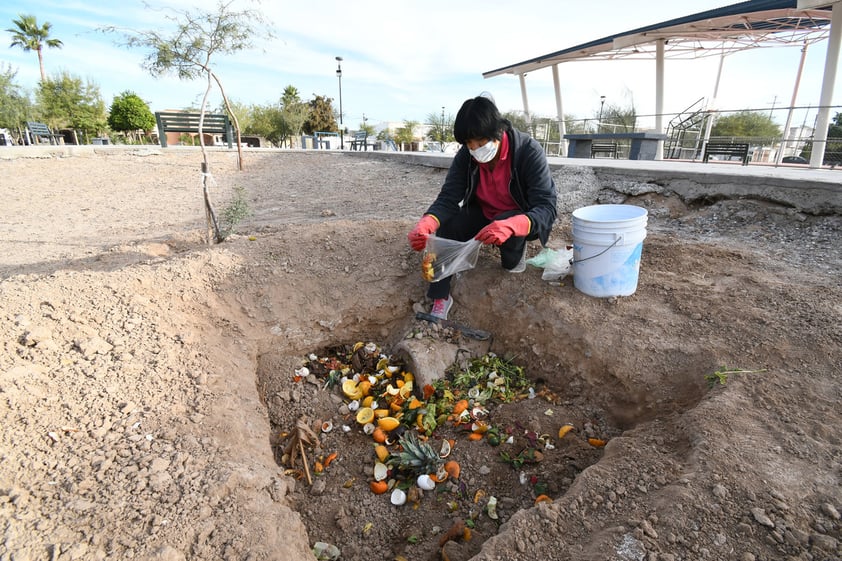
pixel 501 230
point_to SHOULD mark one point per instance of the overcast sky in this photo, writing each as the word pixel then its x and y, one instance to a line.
pixel 408 59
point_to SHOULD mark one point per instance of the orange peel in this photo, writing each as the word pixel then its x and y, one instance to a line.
pixel 453 469
pixel 542 499
pixel 460 406
pixel 365 415
pixel 564 430
pixel 387 423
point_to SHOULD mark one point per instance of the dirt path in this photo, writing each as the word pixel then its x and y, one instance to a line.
pixel 146 379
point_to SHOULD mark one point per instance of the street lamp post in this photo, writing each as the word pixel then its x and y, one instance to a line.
pixel 442 125
pixel 341 127
pixel 599 120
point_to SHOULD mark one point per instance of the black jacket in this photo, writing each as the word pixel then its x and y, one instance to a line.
pixel 532 186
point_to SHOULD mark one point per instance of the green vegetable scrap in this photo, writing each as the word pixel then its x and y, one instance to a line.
pixel 490 377
pixel 721 375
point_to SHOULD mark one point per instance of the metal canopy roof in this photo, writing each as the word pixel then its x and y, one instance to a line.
pixel 717 32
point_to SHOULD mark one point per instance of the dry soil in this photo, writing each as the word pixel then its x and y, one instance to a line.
pixel 147 380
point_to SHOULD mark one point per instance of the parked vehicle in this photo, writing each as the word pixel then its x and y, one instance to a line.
pixel 794 160
pixel 6 138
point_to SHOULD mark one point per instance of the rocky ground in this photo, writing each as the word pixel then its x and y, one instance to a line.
pixel 148 387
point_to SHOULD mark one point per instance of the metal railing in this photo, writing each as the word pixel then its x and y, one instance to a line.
pixel 688 143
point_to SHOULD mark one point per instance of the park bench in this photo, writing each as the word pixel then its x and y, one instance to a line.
pixel 360 140
pixel 644 145
pixel 40 130
pixel 188 122
pixel 726 149
pixel 609 148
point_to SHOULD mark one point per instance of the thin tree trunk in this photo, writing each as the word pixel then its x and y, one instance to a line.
pixel 214 235
pixel 234 117
pixel 41 65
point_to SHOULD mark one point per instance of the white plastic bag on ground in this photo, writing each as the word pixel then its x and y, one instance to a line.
pixel 555 262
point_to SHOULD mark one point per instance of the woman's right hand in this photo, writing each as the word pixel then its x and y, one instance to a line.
pixel 418 236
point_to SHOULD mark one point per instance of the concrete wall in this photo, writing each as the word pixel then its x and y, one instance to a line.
pixel 807 190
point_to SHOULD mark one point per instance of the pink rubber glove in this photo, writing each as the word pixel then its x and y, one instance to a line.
pixel 418 236
pixel 501 230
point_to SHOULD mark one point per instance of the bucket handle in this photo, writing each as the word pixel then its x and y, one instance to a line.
pixel 618 240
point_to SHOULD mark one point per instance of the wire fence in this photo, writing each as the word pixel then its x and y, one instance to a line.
pixel 686 132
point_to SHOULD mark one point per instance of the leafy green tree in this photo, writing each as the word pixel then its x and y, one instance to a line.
pixel 129 114
pixel 617 118
pixel 320 117
pixel 406 134
pixel 279 123
pixel 30 36
pixel 369 129
pixel 833 152
pixel 543 129
pixel 290 96
pixel 518 119
pixel 241 111
pixel 835 128
pixel 267 121
pixel 441 127
pixel 14 102
pixel 746 124
pixel 294 113
pixel 199 35
pixel 574 125
pixel 67 102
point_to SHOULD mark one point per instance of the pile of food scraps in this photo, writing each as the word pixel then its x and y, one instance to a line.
pixel 400 418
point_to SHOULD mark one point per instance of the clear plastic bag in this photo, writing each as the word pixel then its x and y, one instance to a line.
pixel 555 262
pixel 443 257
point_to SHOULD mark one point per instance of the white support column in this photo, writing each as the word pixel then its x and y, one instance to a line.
pixel 562 128
pixel 831 62
pixel 711 108
pixel 659 95
pixel 522 78
pixel 780 154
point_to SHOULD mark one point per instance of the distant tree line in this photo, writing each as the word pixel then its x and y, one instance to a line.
pixel 66 101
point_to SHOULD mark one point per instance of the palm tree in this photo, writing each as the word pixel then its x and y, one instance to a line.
pixel 30 37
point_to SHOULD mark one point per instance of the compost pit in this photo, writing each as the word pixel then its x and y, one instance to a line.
pixel 515 443
pixel 134 426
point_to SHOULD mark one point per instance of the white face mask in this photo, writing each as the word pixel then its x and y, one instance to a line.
pixel 485 153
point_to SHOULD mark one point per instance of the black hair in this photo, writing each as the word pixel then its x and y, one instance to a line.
pixel 478 118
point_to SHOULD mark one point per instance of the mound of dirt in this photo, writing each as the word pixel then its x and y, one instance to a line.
pixel 147 381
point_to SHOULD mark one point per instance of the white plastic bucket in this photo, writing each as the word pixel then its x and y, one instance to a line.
pixel 607 244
